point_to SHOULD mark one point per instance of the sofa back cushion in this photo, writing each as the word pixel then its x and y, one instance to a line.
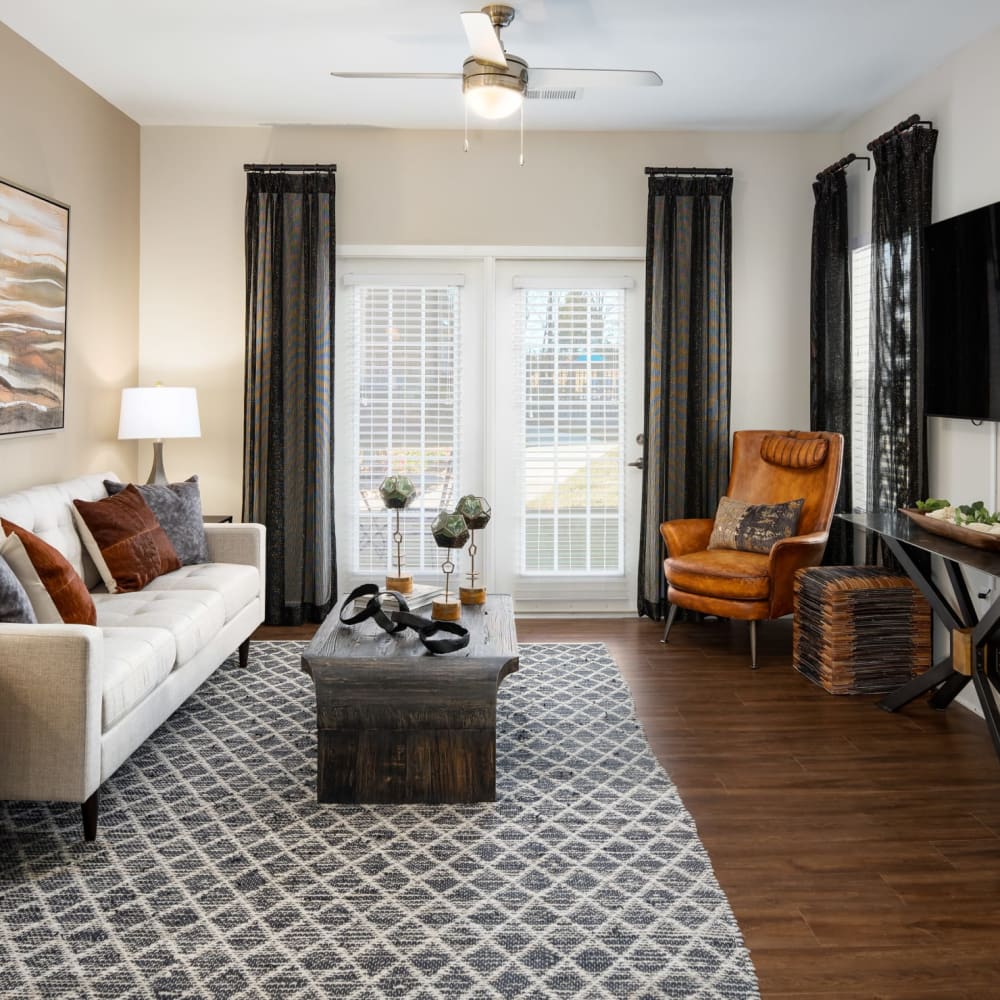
pixel 45 511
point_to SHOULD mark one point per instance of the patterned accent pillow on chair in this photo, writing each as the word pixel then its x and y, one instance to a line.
pixel 753 527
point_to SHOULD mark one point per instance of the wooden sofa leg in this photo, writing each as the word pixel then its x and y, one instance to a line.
pixel 89 809
pixel 244 653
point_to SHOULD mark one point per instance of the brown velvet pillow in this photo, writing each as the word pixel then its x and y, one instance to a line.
pixel 125 540
pixel 753 527
pixel 56 592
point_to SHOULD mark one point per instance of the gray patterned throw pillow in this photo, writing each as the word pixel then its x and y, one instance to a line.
pixel 15 608
pixel 177 507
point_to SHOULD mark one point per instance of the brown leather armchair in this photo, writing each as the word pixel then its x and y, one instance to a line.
pixel 768 467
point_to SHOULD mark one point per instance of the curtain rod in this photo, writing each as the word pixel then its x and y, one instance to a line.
pixel 907 123
pixel 843 162
pixel 720 171
pixel 291 167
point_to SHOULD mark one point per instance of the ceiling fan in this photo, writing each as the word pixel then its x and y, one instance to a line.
pixel 495 82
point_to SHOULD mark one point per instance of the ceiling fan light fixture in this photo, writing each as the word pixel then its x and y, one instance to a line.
pixel 494 92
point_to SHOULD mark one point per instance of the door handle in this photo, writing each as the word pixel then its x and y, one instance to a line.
pixel 637 464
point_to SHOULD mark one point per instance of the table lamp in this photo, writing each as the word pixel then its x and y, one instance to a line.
pixel 158 412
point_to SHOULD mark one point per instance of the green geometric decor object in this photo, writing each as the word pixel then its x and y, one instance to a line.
pixel 450 530
pixel 397 492
pixel 475 510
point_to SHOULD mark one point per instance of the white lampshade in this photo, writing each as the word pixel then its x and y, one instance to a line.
pixel 158 412
pixel 493 101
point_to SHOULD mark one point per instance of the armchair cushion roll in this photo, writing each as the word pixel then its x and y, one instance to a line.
pixel 794 450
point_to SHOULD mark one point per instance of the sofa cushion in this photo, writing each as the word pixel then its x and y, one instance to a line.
pixel 721 573
pixel 753 527
pixel 193 616
pixel 56 592
pixel 238 585
pixel 177 507
pixel 136 660
pixel 15 607
pixel 125 540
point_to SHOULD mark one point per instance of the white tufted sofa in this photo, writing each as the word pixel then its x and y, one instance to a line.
pixel 77 700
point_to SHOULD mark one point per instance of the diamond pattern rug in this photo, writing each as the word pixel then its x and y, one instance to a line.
pixel 217 874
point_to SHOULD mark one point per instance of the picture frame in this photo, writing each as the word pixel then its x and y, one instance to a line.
pixel 34 267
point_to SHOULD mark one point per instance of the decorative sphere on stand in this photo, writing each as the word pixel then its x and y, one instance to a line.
pixel 477 513
pixel 397 493
pixel 450 532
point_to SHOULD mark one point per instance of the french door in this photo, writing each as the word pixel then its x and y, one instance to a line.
pixel 518 380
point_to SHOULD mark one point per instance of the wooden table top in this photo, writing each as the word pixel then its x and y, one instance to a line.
pixel 491 636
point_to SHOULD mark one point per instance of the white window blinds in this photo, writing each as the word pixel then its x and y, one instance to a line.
pixel 406 411
pixel 569 341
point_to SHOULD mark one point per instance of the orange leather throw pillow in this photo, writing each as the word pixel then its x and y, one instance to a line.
pixel 126 542
pixel 56 592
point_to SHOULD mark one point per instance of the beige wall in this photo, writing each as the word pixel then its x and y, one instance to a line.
pixel 61 140
pixel 960 98
pixel 396 187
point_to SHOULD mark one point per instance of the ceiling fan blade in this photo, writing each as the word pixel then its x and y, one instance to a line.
pixel 581 78
pixel 483 39
pixel 397 76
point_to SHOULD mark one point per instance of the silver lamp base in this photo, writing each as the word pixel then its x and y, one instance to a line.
pixel 156 475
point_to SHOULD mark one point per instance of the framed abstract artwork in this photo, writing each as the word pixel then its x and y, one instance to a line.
pixel 34 252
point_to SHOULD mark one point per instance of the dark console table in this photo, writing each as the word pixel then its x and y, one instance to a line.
pixel 974 655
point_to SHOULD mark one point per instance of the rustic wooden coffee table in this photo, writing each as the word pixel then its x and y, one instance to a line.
pixel 396 724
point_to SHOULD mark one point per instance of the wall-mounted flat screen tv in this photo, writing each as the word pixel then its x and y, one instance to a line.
pixel 962 315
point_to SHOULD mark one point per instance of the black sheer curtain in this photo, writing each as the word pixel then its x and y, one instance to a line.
pixel 830 342
pixel 288 411
pixel 688 310
pixel 901 208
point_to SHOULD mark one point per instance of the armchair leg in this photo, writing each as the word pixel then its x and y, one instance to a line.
pixel 244 652
pixel 671 615
pixel 89 810
pixel 753 645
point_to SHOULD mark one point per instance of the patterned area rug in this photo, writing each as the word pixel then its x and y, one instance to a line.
pixel 217 874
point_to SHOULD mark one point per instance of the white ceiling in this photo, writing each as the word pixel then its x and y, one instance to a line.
pixel 728 64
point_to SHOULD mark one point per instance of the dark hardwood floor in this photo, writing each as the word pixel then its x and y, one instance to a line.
pixel 860 850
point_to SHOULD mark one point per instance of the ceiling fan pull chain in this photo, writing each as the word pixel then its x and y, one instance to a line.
pixel 521 164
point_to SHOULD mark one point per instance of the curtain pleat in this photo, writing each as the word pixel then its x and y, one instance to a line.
pixel 288 414
pixel 830 343
pixel 901 208
pixel 687 394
